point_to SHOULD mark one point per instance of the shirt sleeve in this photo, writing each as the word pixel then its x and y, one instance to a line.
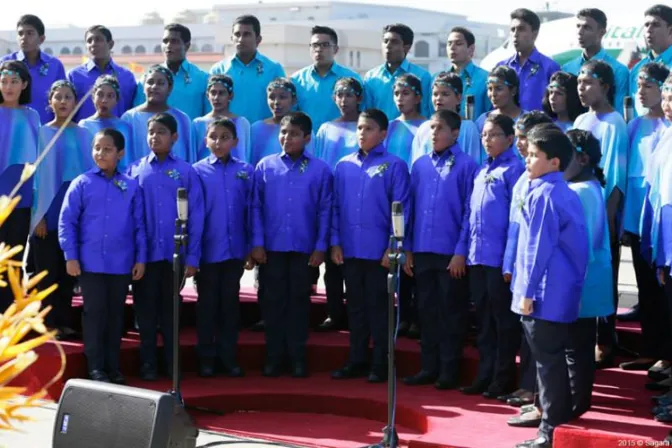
pixel 69 221
pixel 665 252
pixel 60 71
pixel 248 201
pixel 470 171
pixel 412 192
pixel 196 220
pixel 336 211
pixel 139 95
pixel 257 207
pixel 401 189
pixel 140 226
pixel 324 217
pixel 621 89
pixel 542 240
pixel 427 95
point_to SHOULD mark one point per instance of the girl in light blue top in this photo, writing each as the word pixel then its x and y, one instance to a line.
pixel 561 100
pixel 408 94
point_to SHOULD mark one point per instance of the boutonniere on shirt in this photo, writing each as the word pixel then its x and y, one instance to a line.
pixel 381 169
pixel 44 69
pixel 173 174
pixel 187 78
pixel 242 175
pixel 490 179
pixel 120 184
pixel 467 80
pixel 535 69
pixel 260 68
pixel 449 163
pixel 520 202
pixel 303 166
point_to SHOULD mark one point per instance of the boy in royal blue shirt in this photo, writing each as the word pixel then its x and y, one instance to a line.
pixel 549 273
pixel 102 233
pixel 441 185
pixel 160 174
pixel 366 183
pixel 227 184
pixel 291 209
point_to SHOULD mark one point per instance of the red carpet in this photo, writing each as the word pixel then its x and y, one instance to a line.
pixel 320 412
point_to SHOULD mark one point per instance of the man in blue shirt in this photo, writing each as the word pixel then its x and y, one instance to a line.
pixel 548 279
pixel 441 185
pixel 250 70
pixel 315 83
pixel 533 68
pixel 366 183
pixel 227 184
pixel 44 69
pixel 379 81
pixel 99 44
pixel 658 37
pixel 591 27
pixel 291 212
pixel 189 82
pixel 460 48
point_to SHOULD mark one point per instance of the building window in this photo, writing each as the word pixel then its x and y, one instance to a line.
pixel 421 49
pixel 65 51
pixel 49 51
pixel 207 48
pixel 351 59
pixel 77 50
pixel 157 49
pixel 359 59
pixel 126 50
pixel 443 50
pixel 194 48
pixel 140 49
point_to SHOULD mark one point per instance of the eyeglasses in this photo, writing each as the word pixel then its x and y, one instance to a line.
pixel 322 45
pixel 491 136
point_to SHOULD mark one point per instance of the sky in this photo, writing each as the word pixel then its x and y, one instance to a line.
pixel 129 12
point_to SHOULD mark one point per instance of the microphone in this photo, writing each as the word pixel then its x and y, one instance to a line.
pixel 470 107
pixel 628 109
pixel 398 220
pixel 182 205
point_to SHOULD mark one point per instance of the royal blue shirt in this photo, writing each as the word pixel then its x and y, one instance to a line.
pixel 159 182
pixel 490 207
pixel 364 188
pixel 44 73
pixel 85 75
pixel 533 76
pixel 441 185
pixel 226 194
pixel 552 255
pixel 102 223
pixel 291 204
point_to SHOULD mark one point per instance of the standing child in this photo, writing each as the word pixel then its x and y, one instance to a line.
pixel 441 185
pixel 220 94
pixel 551 263
pixel 365 185
pixel 586 178
pixel 106 91
pixel 561 100
pixel 102 233
pixel 291 209
pixel 158 84
pixel 504 93
pixel 227 183
pixel 67 159
pixel 19 125
pixel 160 175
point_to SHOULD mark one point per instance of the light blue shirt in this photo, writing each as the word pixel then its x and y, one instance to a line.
pixel 188 94
pixel 315 92
pixel 379 88
pixel 621 74
pixel 474 82
pixel 664 58
pixel 249 84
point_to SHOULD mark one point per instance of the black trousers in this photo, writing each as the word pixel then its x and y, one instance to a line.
pixel 14 232
pixel 218 310
pixel 499 328
pixel 528 366
pixel 287 282
pixel 443 310
pixel 408 304
pixel 333 281
pixel 366 282
pixel 103 319
pixel 153 299
pixel 549 342
pixel 606 326
pixel 580 355
pixel 49 257
pixel 667 289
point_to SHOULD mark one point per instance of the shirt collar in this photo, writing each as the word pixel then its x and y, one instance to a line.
pixel 552 177
pixel 152 157
pixel 98 171
pixel 535 57
pixel 378 149
pixel 90 65
pixel 502 158
pixel 405 66
pixel 305 155
pixel 212 160
pixel 453 150
pixel 664 57
pixel 468 69
pixel 20 56
pixel 599 56
pixel 335 69
pixel 258 57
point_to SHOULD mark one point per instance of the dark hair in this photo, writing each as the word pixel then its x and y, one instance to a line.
pixel 166 120
pixel 410 80
pixel 250 20
pixel 568 82
pixel 604 73
pixel 530 119
pixel 22 70
pixel 107 80
pixel 299 119
pixel 656 71
pixel 105 31
pixel 662 12
pixel 225 123
pixel 116 136
pixel 282 83
pixel 62 83
pixel 31 20
pixel 468 35
pixel 584 142
pixel 509 77
pixel 452 119
pixel 505 123
pixel 325 30
pixel 352 83
pixel 528 17
pixel 553 142
pixel 376 115
pixel 596 14
pixel 185 33
pixel 405 32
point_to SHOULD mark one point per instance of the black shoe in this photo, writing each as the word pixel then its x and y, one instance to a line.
pixel 99 375
pixel 445 382
pixel 477 388
pixel 330 324
pixel 117 378
pixel 632 315
pixel 148 372
pixel 233 371
pixel 403 328
pixel 539 442
pixel 660 386
pixel 494 392
pixel 300 370
pixel 350 371
pixel 377 375
pixel 206 368
pixel 420 379
pixel 271 371
pixel 414 332
pixel 259 326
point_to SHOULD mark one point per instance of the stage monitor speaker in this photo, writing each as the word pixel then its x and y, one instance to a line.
pixel 92 414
